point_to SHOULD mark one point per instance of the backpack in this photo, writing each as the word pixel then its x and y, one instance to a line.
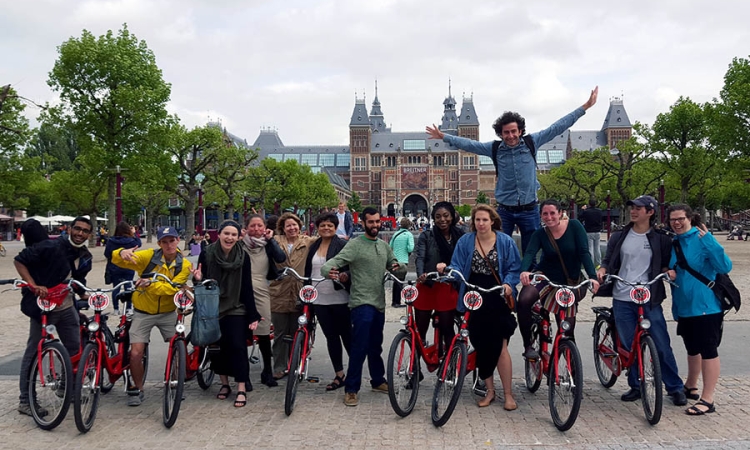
pixel 526 139
pixel 156 261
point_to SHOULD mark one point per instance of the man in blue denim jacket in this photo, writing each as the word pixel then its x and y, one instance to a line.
pixel 517 182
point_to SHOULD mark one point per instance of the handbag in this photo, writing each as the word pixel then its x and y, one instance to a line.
pixel 722 286
pixel 569 281
pixel 509 300
pixel 204 326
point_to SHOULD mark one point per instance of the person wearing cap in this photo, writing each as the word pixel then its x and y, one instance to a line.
pixel 638 253
pixel 153 304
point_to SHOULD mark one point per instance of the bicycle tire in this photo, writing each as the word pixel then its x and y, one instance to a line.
pixel 403 374
pixel 111 346
pixel 87 388
pixel 448 390
pixel 205 373
pixel 54 397
pixel 296 372
pixel 604 340
pixel 652 395
pixel 533 368
pixel 566 390
pixel 174 384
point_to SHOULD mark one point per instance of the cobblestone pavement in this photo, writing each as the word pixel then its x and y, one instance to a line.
pixel 320 419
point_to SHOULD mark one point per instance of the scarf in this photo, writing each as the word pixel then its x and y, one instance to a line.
pixel 444 247
pixel 253 242
pixel 229 271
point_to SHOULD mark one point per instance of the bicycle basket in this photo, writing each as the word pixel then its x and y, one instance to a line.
pixel 409 293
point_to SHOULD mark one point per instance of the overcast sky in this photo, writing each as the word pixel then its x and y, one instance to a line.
pixel 295 65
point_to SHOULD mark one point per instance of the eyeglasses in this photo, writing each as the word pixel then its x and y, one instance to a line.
pixel 82 230
pixel 678 219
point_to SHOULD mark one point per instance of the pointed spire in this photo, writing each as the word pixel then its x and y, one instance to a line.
pixel 377 122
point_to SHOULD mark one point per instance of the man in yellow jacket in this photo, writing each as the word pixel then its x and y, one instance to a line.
pixel 153 303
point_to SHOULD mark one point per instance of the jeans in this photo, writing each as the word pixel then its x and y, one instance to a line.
pixel 527 221
pixel 626 319
pixel 69 333
pixel 367 341
pixel 594 248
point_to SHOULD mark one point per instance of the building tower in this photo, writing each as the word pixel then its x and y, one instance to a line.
pixel 360 132
pixel 377 122
pixel 617 126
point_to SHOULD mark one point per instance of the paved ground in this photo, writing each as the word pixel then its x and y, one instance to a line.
pixel 321 420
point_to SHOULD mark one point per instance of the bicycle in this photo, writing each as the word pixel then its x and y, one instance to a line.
pixel 610 356
pixel 459 358
pixel 408 349
pixel 303 340
pixel 181 364
pixel 99 360
pixel 562 363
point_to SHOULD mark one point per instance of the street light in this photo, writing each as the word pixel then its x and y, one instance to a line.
pixel 609 216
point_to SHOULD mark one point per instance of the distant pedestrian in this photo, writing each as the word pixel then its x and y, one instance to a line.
pixel 402 243
pixel 591 218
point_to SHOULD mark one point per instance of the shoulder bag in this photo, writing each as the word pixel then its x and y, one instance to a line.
pixel 722 286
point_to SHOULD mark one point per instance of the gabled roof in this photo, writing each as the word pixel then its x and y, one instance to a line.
pixel 336 179
pixel 616 115
pixel 359 115
pixel 587 140
pixel 468 114
pixel 268 138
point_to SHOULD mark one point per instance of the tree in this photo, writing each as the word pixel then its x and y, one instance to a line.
pixel 56 146
pixel 230 169
pixel 464 210
pixel 482 198
pixel 14 127
pixel 354 203
pixel 730 124
pixel 113 94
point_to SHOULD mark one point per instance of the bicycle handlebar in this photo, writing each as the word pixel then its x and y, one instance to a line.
pixel 389 276
pixel 453 273
pixel 538 278
pixel 121 285
pixel 289 271
pixel 156 276
pixel 609 277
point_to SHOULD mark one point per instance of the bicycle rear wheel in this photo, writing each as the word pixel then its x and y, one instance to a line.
pixel 533 367
pixel 448 386
pixel 50 385
pixel 403 374
pixel 296 372
pixel 87 388
pixel 565 389
pixel 174 384
pixel 652 394
pixel 604 351
pixel 205 372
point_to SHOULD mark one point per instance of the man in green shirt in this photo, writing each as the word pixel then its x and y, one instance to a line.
pixel 366 256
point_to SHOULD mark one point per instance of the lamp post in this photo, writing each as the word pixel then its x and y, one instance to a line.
pixel 609 215
pixel 118 195
pixel 572 208
pixel 661 200
pixel 244 206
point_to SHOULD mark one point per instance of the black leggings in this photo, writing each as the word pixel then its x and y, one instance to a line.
pixel 445 325
pixel 336 323
pixel 526 299
pixel 232 358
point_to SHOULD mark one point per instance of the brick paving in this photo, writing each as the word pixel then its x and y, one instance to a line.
pixel 320 419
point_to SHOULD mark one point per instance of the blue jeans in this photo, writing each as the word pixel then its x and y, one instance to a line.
pixel 527 221
pixel 367 341
pixel 626 319
pixel 594 247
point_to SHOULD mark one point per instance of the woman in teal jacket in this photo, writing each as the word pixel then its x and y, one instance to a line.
pixel 695 307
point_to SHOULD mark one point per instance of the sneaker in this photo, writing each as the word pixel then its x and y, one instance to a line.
pixel 383 387
pixel 632 395
pixel 531 353
pixel 25 408
pixel 678 398
pixel 135 400
pixel 350 399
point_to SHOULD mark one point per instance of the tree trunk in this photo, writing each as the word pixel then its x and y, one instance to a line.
pixel 112 204
pixel 190 208
pixel 94 229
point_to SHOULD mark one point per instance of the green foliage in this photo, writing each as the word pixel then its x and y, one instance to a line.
pixel 14 127
pixel 56 146
pixel 730 124
pixel 229 171
pixel 464 210
pixel 354 203
pixel 482 198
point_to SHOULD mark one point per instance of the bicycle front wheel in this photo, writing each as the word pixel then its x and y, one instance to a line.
pixel 604 351
pixel 450 380
pixel 533 367
pixel 87 388
pixel 174 383
pixel 651 391
pixel 50 385
pixel 565 386
pixel 296 372
pixel 403 374
pixel 111 346
pixel 205 372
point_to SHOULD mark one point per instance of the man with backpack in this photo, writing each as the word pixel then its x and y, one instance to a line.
pixel 153 304
pixel 514 157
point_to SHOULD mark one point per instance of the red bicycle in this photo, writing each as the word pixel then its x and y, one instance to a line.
pixel 182 364
pixel 610 356
pixel 562 363
pixel 460 357
pixel 303 340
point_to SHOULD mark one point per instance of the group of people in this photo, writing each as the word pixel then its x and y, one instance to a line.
pixel 351 306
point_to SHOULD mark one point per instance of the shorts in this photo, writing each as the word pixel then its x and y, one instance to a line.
pixel 140 329
pixel 702 334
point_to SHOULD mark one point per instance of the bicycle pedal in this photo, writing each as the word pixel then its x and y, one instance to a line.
pixel 313 380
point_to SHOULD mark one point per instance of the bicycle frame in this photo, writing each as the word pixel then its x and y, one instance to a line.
pixel 305 326
pixel 183 301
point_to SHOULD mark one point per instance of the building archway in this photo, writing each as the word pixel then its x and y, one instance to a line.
pixel 414 205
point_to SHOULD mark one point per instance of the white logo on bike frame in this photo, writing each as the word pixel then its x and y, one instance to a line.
pixel 640 295
pixel 409 293
pixel 308 294
pixel 99 301
pixel 473 300
pixel 565 297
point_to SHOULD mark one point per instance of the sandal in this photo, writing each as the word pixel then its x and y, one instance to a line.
pixel 692 393
pixel 696 411
pixel 487 399
pixel 336 383
pixel 240 403
pixel 224 392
